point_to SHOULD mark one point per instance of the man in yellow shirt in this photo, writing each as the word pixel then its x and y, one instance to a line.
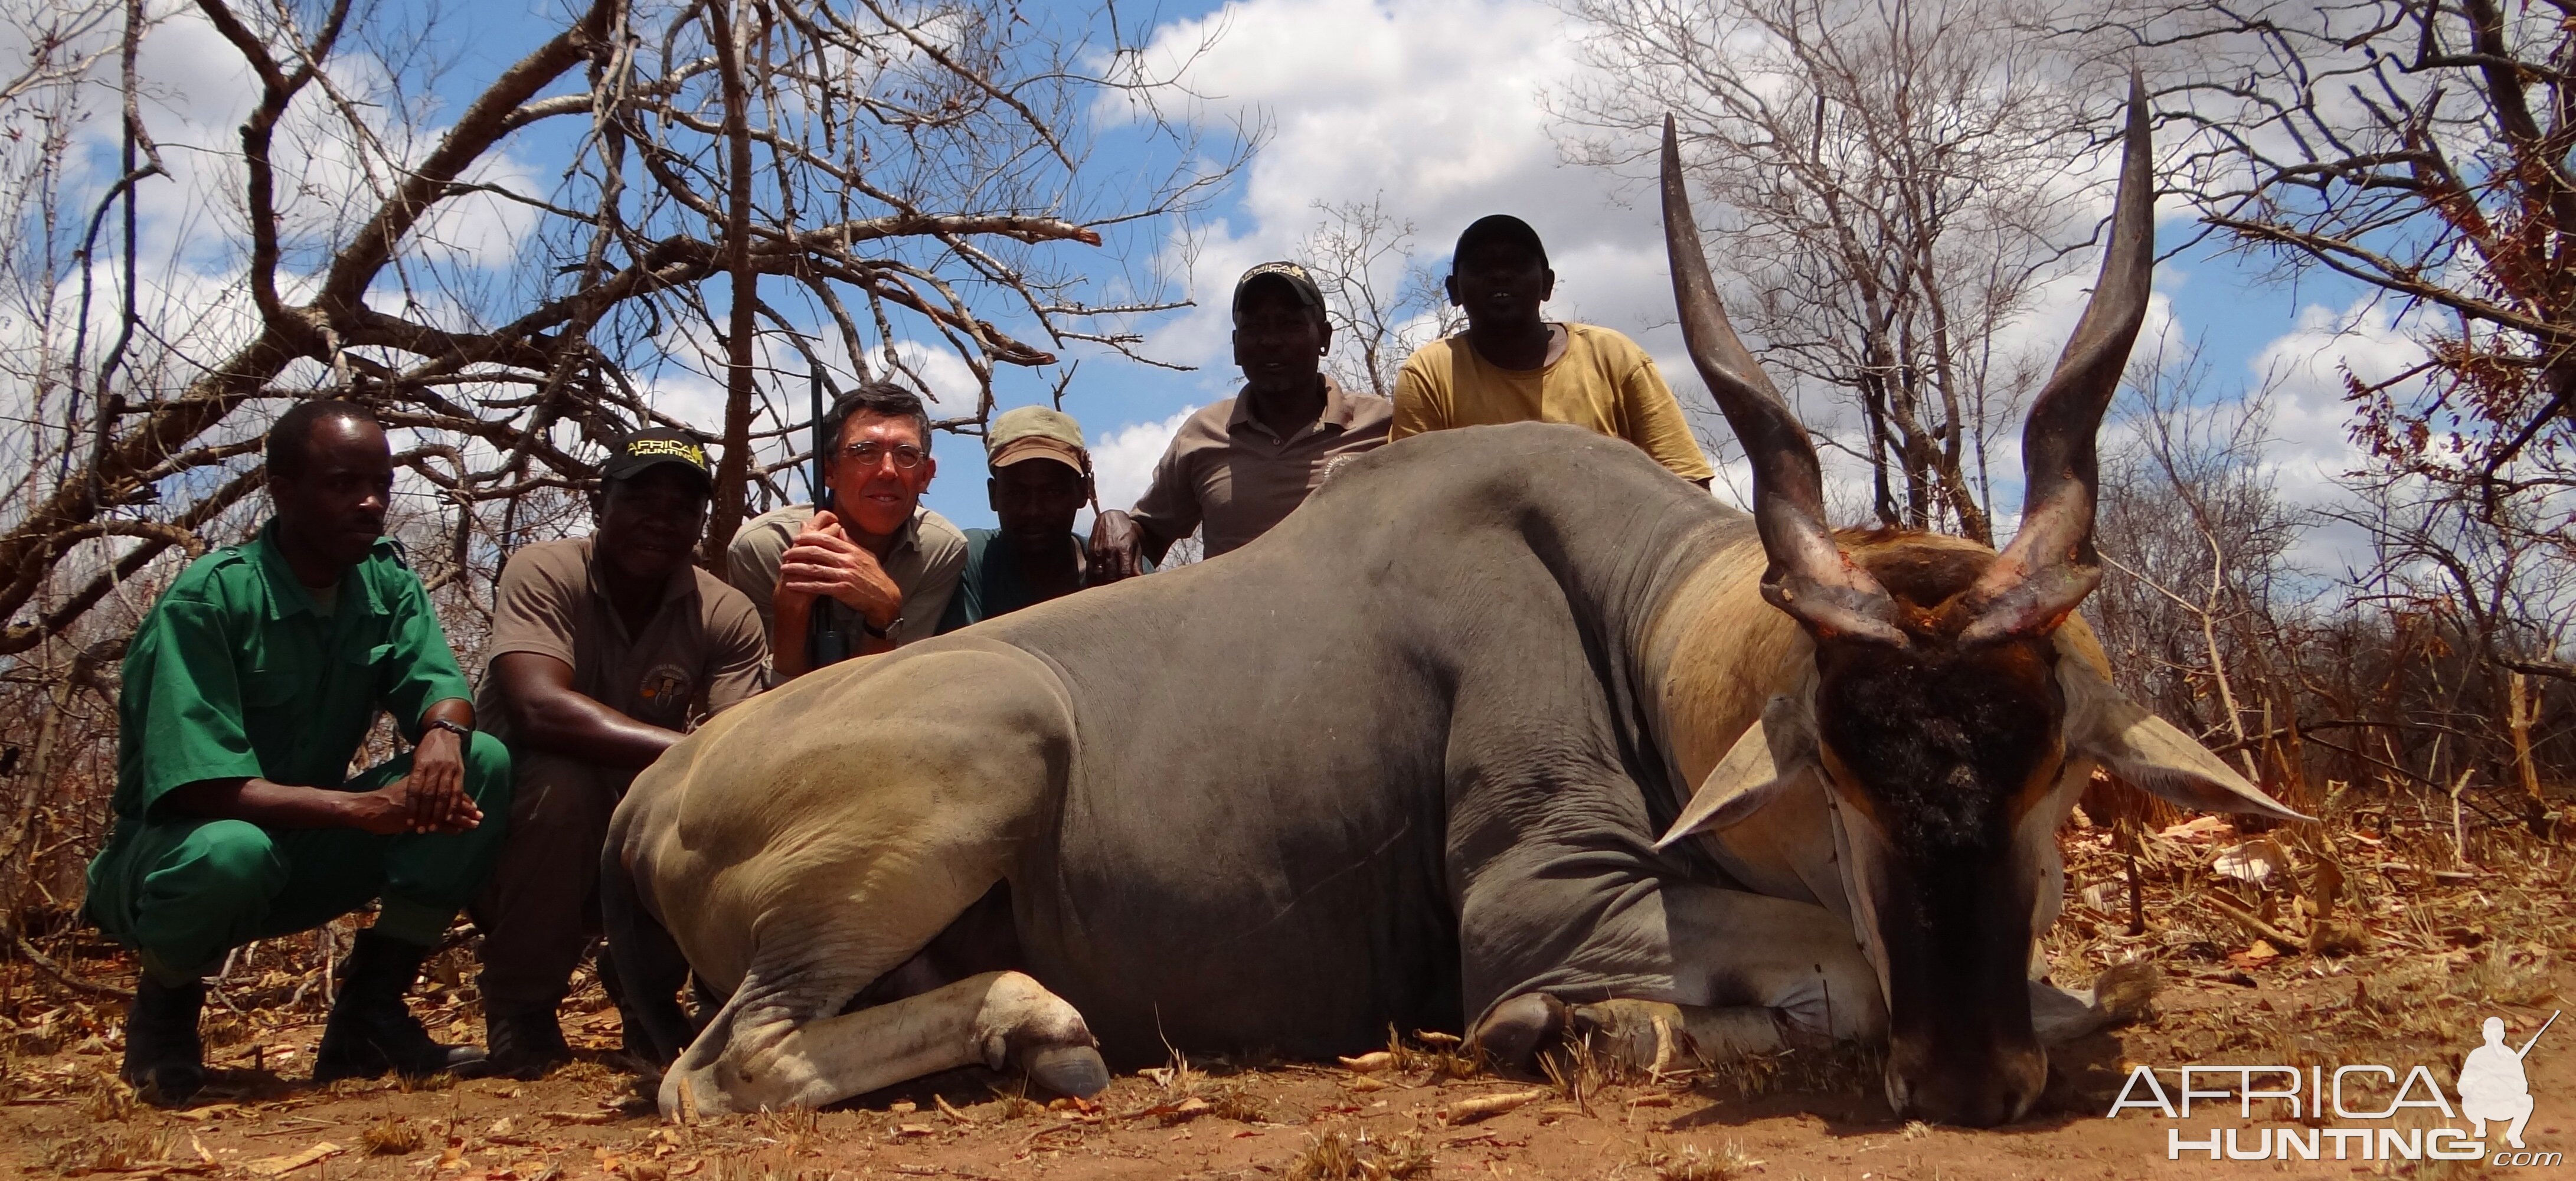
pixel 1510 365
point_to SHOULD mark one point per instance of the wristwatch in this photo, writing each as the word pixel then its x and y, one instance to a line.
pixel 882 633
pixel 463 733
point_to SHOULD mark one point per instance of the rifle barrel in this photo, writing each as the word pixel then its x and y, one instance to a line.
pixel 2525 1051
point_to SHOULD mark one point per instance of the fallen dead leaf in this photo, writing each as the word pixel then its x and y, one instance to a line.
pixel 2199 830
pixel 2251 861
pixel 275 1166
pixel 1469 1110
pixel 2262 952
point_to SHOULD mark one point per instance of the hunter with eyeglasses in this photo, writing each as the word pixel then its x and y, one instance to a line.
pixel 871 570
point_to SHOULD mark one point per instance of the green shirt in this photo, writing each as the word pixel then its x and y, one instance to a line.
pixel 992 583
pixel 235 675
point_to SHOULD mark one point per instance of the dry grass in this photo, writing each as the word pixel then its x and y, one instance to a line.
pixel 1843 1069
pixel 224 1029
pixel 109 1100
pixel 2433 932
pixel 1690 1163
pixel 408 1084
pixel 1435 1056
pixel 1579 1072
pixel 774 1165
pixel 117 1151
pixel 1335 1156
pixel 1015 1103
pixel 391 1136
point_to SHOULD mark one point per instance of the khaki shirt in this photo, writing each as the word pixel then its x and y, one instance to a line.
pixel 924 563
pixel 1229 473
pixel 1604 383
pixel 702 651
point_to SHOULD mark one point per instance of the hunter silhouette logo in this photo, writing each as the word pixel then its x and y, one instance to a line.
pixel 2492 1087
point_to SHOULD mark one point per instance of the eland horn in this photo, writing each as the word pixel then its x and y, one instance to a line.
pixel 2050 565
pixel 1809 577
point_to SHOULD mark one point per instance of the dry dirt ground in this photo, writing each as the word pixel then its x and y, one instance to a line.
pixel 2386 944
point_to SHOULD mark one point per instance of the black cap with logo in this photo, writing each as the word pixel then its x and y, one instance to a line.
pixel 1296 278
pixel 632 453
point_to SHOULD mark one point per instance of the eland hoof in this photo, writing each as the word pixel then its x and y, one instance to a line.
pixel 1069 1070
pixel 1515 1031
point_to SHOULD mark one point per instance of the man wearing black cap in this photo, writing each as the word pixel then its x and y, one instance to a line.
pixel 604 651
pixel 1512 365
pixel 1241 465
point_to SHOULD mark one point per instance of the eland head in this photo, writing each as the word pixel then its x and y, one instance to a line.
pixel 1950 712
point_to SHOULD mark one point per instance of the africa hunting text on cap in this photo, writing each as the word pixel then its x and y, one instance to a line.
pixel 1290 273
pixel 636 451
pixel 1035 432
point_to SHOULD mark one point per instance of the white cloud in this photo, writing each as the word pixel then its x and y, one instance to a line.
pixel 1122 458
pixel 1371 100
pixel 2305 369
pixel 1378 101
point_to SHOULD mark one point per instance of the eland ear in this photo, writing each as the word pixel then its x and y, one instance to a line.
pixel 2152 753
pixel 1775 755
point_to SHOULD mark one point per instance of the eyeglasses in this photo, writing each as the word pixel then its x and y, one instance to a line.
pixel 871 453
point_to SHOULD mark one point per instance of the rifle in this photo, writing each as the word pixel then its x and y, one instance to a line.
pixel 2535 1034
pixel 823 642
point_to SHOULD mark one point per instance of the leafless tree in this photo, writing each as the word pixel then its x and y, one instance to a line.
pixel 2310 677
pixel 1382 300
pixel 751 188
pixel 1895 186
pixel 2196 544
pixel 2421 149
pixel 653 214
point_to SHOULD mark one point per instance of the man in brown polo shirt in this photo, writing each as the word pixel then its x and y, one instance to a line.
pixel 874 570
pixel 1240 466
pixel 604 651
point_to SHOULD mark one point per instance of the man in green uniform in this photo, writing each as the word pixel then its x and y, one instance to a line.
pixel 1041 479
pixel 248 689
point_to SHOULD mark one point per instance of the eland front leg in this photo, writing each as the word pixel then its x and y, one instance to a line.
pixel 1751 975
pixel 1002 1020
pixel 805 847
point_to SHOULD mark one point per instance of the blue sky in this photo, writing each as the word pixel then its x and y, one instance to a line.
pixel 1432 108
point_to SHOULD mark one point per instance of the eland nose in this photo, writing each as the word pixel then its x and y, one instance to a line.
pixel 1966 1093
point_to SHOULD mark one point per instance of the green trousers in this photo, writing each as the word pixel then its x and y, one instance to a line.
pixel 184 891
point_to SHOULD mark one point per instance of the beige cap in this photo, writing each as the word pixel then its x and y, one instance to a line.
pixel 1035 432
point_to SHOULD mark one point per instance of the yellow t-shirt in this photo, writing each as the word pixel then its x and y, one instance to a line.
pixel 1604 382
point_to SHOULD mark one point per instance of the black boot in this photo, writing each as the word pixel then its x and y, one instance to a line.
pixel 163 1059
pixel 371 1031
pixel 525 1044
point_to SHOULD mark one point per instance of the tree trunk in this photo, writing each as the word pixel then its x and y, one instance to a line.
pixel 733 470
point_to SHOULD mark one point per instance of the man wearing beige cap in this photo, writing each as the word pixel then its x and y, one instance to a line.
pixel 1243 464
pixel 1041 479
